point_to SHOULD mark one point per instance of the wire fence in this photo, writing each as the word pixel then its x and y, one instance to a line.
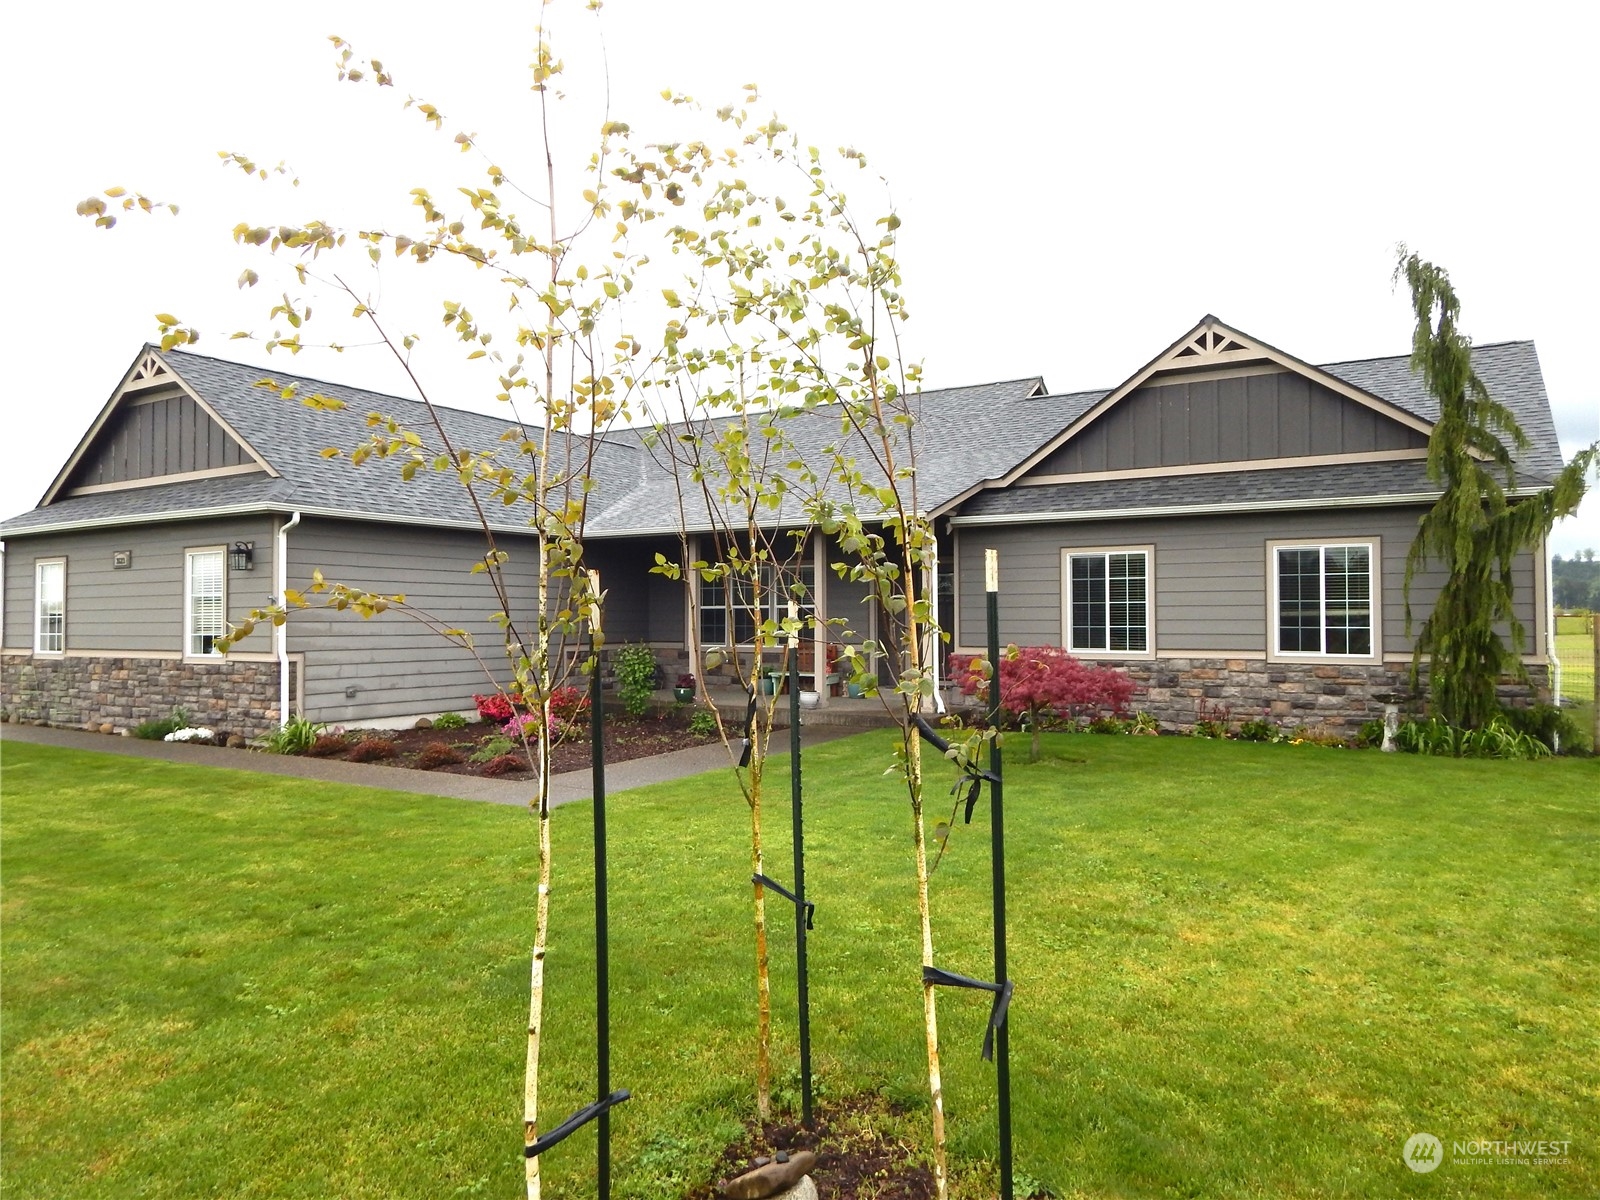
pixel 1578 647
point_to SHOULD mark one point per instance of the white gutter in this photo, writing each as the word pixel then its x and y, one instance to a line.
pixel 280 633
pixel 1550 627
pixel 1187 510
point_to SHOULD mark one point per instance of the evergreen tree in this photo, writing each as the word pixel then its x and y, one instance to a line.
pixel 1476 529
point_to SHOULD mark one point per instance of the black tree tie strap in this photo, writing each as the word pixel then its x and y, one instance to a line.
pixel 973 777
pixel 575 1122
pixel 997 1014
pixel 788 895
pixel 749 731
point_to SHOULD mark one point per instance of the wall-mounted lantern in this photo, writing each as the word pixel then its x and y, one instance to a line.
pixel 242 557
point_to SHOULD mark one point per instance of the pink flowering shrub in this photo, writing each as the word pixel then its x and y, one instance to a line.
pixel 569 708
pixel 1042 681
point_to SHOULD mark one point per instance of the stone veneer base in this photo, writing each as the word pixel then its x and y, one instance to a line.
pixel 1337 697
pixel 228 696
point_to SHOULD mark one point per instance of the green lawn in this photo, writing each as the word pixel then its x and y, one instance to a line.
pixel 1242 970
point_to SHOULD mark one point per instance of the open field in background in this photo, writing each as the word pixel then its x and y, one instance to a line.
pixel 1575 648
pixel 1242 971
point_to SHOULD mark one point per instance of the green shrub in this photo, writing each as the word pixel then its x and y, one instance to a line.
pixel 1498 739
pixel 450 720
pixel 1553 726
pixel 1370 734
pixel 636 678
pixel 296 737
pixel 495 747
pixel 1109 725
pixel 154 731
pixel 703 723
pixel 1258 729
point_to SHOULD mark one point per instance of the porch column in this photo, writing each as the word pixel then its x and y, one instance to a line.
pixel 819 605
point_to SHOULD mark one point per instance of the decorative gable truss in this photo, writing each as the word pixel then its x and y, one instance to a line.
pixel 155 429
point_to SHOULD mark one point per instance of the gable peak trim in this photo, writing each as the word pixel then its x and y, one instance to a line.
pixel 149 371
pixel 1208 347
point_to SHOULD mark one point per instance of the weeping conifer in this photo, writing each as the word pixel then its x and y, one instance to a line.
pixel 1479 525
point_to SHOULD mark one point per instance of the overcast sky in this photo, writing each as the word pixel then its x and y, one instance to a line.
pixel 1079 184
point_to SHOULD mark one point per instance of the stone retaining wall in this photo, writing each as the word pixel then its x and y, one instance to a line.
pixel 229 696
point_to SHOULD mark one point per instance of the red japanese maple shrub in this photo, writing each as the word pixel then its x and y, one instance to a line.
pixel 1042 681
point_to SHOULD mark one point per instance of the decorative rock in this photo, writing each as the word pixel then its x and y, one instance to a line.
pixel 423 723
pixel 771 1179
pixel 805 1189
pixel 108 727
pixel 236 741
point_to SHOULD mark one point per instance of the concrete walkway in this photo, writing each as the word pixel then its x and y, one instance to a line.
pixel 574 785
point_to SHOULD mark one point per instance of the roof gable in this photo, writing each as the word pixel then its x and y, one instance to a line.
pixel 154 430
pixel 1214 352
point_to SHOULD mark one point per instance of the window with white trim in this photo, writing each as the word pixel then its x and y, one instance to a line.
pixel 1108 601
pixel 1323 599
pixel 50 606
pixel 730 613
pixel 205 611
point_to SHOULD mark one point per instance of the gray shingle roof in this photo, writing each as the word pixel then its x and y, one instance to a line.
pixel 1510 370
pixel 966 437
pixel 1368 482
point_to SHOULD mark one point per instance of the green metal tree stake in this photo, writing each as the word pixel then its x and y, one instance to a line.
pixel 800 910
pixel 997 833
pixel 602 948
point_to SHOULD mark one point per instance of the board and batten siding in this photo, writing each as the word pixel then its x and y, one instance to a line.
pixel 397 666
pixel 640 606
pixel 1266 416
pixel 168 434
pixel 139 609
pixel 1211 583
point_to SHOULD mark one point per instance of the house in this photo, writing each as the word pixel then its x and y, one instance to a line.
pixel 1230 525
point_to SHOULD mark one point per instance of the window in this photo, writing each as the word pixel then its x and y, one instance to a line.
pixel 729 605
pixel 1323 600
pixel 1108 601
pixel 204 609
pixel 50 606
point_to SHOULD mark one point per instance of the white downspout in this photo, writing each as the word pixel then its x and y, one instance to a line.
pixel 1550 626
pixel 280 633
pixel 933 608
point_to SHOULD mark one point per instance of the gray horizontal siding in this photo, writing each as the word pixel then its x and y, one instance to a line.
pixel 1210 573
pixel 397 665
pixel 1276 415
pixel 140 608
pixel 168 436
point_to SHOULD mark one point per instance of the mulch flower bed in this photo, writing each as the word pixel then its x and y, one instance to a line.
pixel 856 1157
pixel 419 749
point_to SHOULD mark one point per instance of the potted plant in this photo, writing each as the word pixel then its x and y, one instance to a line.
pixel 683 690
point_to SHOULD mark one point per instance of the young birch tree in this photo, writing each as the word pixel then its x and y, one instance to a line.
pixel 727 457
pixel 822 292
pixel 564 384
